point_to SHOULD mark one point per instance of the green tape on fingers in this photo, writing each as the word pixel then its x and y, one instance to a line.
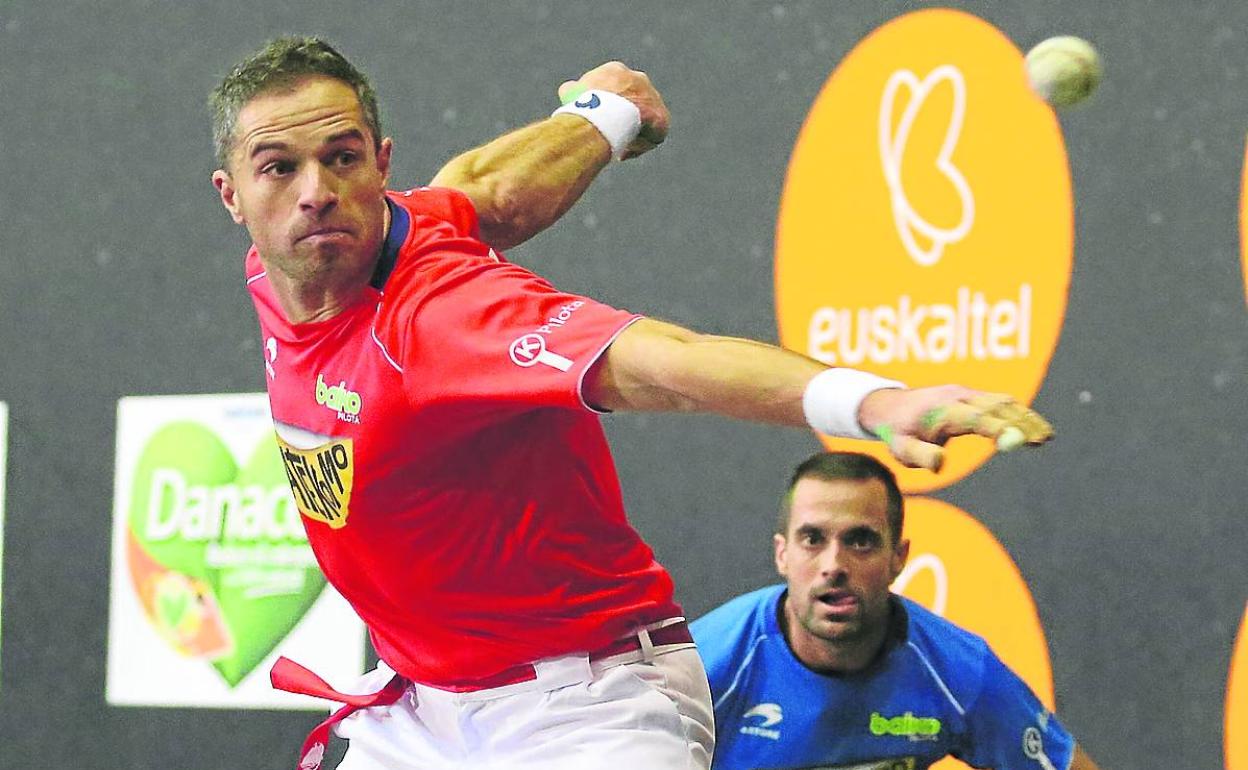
pixel 885 434
pixel 932 417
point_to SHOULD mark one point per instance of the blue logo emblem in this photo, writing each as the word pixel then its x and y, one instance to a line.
pixel 591 103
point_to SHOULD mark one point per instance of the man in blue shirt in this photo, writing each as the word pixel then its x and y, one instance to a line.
pixel 832 671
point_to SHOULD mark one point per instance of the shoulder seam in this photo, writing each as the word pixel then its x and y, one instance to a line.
pixel 736 679
pixel 389 359
pixel 939 681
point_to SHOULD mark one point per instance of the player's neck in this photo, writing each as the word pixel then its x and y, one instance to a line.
pixel 827 656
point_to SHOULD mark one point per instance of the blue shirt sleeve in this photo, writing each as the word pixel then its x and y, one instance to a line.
pixel 715 639
pixel 726 637
pixel 1008 728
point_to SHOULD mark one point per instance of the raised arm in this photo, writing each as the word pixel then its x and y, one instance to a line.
pixel 524 181
pixel 656 366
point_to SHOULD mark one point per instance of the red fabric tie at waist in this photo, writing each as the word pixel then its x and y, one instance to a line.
pixel 290 676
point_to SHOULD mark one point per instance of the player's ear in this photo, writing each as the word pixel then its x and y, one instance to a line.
pixel 229 195
pixel 900 555
pixel 782 565
pixel 384 151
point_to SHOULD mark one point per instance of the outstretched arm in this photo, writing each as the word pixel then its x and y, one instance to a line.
pixel 524 181
pixel 656 366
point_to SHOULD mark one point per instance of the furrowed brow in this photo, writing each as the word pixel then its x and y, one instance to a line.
pixel 347 135
pixel 351 134
pixel 808 529
pixel 863 530
pixel 265 146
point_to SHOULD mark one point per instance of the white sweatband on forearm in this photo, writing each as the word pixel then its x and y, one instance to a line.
pixel 832 399
pixel 615 117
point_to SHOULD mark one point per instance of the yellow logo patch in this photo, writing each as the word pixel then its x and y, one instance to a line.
pixel 321 479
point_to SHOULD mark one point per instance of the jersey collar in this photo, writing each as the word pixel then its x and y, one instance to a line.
pixel 400 223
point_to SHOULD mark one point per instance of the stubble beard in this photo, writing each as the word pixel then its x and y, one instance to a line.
pixel 319 265
pixel 838 632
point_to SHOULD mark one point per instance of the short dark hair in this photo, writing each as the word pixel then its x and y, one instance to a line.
pixel 281 64
pixel 845 466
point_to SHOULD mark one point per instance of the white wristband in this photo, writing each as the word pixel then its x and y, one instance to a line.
pixel 615 117
pixel 832 398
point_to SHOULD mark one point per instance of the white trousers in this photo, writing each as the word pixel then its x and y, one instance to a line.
pixel 576 715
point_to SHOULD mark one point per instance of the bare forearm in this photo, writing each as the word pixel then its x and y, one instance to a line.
pixel 522 182
pixel 680 370
pixel 655 366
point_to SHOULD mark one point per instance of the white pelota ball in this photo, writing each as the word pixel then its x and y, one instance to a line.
pixel 1063 70
pixel 1010 439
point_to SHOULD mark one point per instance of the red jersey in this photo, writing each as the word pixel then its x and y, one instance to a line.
pixel 455 487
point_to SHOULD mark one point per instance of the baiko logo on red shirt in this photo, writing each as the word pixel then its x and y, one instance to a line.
pixel 346 403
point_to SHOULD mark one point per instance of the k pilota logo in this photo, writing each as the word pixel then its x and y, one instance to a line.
pixel 530 350
pixel 925 229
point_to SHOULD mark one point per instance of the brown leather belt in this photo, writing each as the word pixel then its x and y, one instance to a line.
pixel 676 633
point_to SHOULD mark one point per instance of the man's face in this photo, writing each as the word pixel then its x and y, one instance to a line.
pixel 305 180
pixel 839 558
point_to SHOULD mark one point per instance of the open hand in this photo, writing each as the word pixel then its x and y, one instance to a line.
pixel 916 423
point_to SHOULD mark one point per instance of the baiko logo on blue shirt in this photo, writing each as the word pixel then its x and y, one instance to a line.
pixel 907 725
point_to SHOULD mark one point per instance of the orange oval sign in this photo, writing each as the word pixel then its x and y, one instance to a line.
pixel 925 228
pixel 1236 736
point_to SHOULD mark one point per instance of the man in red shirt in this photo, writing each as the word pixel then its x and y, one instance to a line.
pixel 436 408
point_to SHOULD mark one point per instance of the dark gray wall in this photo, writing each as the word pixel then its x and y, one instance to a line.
pixel 120 275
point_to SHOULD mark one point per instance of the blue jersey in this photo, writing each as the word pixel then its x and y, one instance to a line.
pixel 935 690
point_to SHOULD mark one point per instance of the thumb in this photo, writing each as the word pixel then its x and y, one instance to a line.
pixel 569 90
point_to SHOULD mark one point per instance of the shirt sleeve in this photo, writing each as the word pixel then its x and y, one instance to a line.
pixel 1010 729
pixel 728 639
pixel 485 330
pixel 443 205
pixel 714 648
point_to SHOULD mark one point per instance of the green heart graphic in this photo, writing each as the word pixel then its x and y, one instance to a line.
pixel 218 554
pixel 171 608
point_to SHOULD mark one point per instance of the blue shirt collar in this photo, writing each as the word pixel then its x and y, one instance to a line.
pixel 400 224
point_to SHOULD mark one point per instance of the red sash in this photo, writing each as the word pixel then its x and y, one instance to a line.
pixel 290 676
